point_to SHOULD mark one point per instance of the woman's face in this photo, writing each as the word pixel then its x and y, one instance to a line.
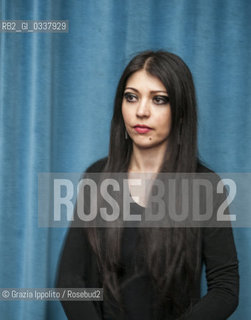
pixel 146 111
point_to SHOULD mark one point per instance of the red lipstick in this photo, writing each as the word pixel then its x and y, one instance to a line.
pixel 141 128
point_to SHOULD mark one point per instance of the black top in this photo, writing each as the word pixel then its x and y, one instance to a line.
pixel 78 268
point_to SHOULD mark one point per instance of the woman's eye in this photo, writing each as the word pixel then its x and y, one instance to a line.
pixel 161 99
pixel 130 97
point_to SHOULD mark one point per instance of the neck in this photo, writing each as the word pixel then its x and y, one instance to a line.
pixel 147 160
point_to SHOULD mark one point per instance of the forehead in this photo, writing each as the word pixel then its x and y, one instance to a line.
pixel 142 80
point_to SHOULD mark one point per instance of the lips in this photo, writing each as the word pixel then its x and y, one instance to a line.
pixel 141 128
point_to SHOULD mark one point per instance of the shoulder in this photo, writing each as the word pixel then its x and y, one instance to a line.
pixel 97 166
pixel 204 172
pixel 202 168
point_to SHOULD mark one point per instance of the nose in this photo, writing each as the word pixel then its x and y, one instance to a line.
pixel 143 109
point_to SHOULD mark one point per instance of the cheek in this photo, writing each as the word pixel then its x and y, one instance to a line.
pixel 165 121
pixel 125 114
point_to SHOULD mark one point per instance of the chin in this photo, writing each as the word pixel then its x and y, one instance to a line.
pixel 145 145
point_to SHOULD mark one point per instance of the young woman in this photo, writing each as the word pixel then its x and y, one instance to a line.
pixel 152 273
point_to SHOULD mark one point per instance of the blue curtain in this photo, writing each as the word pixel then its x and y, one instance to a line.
pixel 56 97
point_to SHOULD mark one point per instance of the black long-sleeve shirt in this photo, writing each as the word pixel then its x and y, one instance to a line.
pixel 78 268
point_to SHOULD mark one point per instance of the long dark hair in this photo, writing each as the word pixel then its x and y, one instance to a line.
pixel 182 142
pixel 171 255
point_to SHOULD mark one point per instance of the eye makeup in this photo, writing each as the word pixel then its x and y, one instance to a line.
pixel 157 99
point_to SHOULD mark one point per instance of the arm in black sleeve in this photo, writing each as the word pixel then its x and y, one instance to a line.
pixel 78 266
pixel 220 258
pixel 222 276
pixel 71 274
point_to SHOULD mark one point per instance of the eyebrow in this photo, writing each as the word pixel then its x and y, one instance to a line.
pixel 153 91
